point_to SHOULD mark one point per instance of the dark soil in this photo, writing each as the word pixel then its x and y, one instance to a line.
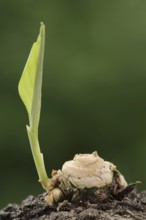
pixel 129 208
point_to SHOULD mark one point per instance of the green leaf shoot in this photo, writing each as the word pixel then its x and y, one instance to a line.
pixel 30 86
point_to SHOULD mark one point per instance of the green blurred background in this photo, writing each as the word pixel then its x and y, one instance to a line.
pixel 94 87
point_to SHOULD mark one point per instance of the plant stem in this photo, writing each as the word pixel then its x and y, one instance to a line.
pixel 39 160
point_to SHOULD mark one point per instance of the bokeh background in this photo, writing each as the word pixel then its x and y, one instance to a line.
pixel 94 87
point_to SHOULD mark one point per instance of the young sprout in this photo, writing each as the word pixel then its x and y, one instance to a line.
pixel 87 175
pixel 29 88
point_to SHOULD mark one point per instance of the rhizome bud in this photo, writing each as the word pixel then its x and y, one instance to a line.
pixel 87 176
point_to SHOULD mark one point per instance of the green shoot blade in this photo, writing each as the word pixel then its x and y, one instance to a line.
pixel 30 92
pixel 31 81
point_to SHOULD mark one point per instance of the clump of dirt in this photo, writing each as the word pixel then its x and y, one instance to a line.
pixel 131 207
